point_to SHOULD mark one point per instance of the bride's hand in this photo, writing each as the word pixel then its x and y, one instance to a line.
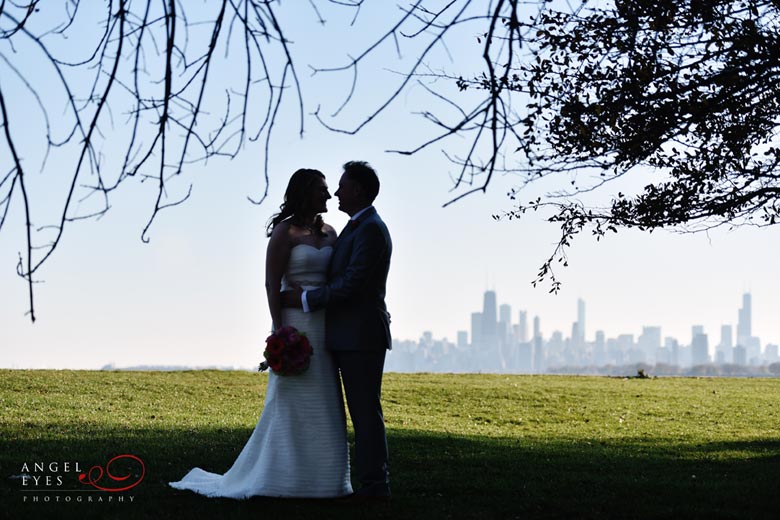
pixel 291 298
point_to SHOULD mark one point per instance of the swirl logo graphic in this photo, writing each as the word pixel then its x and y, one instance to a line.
pixel 95 473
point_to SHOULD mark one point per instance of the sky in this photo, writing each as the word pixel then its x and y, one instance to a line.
pixel 194 295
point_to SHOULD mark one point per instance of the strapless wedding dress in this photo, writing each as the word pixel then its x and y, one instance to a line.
pixel 299 446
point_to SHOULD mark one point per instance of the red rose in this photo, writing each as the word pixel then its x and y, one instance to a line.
pixel 274 344
pixel 274 362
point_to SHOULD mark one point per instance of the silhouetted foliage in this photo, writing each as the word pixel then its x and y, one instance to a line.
pixel 687 89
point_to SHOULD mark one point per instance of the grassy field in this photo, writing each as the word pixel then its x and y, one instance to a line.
pixel 462 446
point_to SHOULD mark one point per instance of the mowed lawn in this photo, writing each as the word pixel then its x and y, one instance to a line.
pixel 462 446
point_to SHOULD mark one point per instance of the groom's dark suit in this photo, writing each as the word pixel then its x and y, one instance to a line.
pixel 357 332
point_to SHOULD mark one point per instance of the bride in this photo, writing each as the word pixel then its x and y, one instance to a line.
pixel 299 446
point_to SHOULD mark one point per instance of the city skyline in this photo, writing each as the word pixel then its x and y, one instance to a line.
pixel 742 324
pixel 496 343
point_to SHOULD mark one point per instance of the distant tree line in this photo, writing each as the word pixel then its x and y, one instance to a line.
pixel 663 369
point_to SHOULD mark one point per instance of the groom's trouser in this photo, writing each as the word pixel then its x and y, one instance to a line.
pixel 361 373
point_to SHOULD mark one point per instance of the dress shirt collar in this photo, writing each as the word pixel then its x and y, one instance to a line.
pixel 357 215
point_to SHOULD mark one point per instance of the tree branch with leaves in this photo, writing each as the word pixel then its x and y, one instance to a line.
pixel 687 90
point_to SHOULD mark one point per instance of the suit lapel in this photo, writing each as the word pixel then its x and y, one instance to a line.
pixel 346 236
pixel 353 224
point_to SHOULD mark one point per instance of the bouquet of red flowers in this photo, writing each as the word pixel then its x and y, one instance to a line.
pixel 287 352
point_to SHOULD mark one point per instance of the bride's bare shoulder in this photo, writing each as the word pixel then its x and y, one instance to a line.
pixel 282 233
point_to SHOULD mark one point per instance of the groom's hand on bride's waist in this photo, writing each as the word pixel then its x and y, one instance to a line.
pixel 292 298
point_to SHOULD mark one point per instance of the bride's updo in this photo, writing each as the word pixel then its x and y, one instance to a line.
pixel 297 201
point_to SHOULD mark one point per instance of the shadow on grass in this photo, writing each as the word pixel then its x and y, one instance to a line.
pixel 434 475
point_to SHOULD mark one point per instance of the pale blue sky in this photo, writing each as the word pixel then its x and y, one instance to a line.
pixel 195 296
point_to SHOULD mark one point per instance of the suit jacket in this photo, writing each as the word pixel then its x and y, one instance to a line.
pixel 354 297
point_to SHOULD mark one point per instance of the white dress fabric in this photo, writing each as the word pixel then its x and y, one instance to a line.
pixel 299 446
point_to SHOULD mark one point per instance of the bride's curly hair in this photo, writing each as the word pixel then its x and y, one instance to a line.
pixel 297 201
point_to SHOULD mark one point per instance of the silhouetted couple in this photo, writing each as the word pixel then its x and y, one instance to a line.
pixel 331 287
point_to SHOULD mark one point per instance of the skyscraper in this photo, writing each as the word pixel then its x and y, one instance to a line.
pixel 463 339
pixel 745 331
pixel 744 321
pixel 740 355
pixel 723 352
pixel 505 313
pixel 489 319
pixel 476 329
pixel 537 328
pixel 649 342
pixel 522 322
pixel 539 364
pixel 489 357
pixel 673 347
pixel 580 321
pixel 700 350
pixel 600 348
pixel 505 322
pixel 695 331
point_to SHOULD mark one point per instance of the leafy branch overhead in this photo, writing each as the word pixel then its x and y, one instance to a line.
pixel 687 89
pixel 683 92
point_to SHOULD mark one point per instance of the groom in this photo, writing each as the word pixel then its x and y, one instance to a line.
pixel 357 327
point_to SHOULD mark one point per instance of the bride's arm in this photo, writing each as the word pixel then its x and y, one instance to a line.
pixel 276 258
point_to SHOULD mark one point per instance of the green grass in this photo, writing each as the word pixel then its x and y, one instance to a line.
pixel 462 446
